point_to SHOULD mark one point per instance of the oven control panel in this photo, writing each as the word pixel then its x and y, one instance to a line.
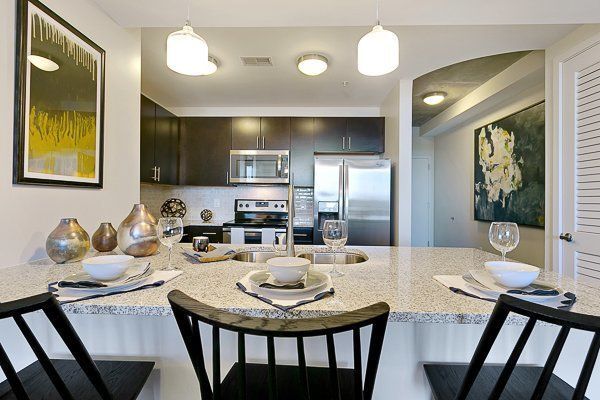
pixel 242 205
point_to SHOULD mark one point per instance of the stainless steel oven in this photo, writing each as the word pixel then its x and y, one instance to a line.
pixel 259 166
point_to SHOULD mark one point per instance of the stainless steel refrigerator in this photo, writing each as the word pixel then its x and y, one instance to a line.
pixel 357 190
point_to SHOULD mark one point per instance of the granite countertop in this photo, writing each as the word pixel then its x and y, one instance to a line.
pixel 400 276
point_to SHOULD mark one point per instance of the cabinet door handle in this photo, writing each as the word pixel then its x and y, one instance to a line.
pixel 343 142
pixel 153 174
pixel 208 233
pixel 257 139
pixel 227 177
pixel 349 142
pixel 158 174
pixel 263 142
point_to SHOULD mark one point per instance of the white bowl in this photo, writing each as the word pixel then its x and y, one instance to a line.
pixel 107 268
pixel 288 269
pixel 512 274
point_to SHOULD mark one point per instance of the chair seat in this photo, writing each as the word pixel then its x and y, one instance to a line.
pixel 445 381
pixel 288 383
pixel 125 379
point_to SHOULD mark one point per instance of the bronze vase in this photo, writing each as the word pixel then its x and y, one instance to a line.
pixel 137 234
pixel 105 237
pixel 68 242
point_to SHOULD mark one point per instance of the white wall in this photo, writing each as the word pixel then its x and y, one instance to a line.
pixel 397 110
pixel 29 213
pixel 454 158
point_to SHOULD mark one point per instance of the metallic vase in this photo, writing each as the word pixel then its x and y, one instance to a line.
pixel 137 234
pixel 68 242
pixel 105 237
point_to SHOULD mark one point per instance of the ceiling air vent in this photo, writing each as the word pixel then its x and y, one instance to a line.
pixel 256 61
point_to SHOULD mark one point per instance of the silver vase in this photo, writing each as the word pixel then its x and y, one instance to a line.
pixel 105 237
pixel 137 234
pixel 68 242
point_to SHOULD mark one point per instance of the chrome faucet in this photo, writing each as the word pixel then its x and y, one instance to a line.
pixel 289 246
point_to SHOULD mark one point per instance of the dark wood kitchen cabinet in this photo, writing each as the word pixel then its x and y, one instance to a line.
pixel 302 160
pixel 330 134
pixel 159 137
pixel 255 133
pixel 353 135
pixel 365 134
pixel 275 133
pixel 204 148
pixel 213 232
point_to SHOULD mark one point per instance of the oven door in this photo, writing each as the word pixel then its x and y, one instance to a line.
pixel 259 166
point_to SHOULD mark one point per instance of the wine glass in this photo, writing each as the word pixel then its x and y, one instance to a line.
pixel 504 237
pixel 335 236
pixel 170 231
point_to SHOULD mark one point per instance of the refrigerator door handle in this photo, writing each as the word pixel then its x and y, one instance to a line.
pixel 341 193
pixel 346 195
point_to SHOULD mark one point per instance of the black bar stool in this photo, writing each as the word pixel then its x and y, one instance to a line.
pixel 261 381
pixel 479 381
pixel 79 379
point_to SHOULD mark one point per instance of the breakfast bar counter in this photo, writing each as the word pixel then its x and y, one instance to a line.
pixel 427 321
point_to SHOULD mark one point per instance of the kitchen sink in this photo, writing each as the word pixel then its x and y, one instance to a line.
pixel 254 256
pixel 315 258
pixel 341 258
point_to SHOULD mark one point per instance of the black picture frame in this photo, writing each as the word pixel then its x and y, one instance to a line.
pixel 532 178
pixel 22 91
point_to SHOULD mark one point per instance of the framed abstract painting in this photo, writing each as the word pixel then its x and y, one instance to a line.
pixel 59 101
pixel 509 168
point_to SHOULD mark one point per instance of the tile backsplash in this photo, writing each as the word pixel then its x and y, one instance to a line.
pixel 217 199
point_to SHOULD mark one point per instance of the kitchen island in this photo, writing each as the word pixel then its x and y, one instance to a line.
pixel 427 321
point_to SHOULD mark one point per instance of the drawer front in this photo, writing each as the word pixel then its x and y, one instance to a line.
pixel 214 233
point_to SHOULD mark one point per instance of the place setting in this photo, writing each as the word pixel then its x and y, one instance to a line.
pixel 289 282
pixel 516 279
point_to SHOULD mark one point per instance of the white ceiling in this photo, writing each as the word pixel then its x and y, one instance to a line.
pixel 423 49
pixel 282 13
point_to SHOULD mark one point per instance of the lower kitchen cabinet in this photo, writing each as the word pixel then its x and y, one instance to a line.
pixel 204 148
pixel 212 232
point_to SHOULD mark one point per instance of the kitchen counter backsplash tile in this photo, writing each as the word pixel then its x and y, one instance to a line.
pixel 217 199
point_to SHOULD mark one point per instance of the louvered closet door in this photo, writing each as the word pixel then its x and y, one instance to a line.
pixel 581 166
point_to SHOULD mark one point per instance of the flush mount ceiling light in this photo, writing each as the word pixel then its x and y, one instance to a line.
pixel 378 51
pixel 434 98
pixel 43 63
pixel 312 64
pixel 187 52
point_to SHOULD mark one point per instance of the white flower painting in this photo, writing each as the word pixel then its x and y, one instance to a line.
pixel 509 168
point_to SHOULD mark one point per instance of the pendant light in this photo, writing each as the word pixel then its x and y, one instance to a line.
pixel 378 51
pixel 187 52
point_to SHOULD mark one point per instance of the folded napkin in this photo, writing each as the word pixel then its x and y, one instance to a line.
pixel 214 254
pixel 457 284
pixel 287 301
pixel 71 294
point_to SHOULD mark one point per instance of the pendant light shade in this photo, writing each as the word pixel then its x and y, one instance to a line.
pixel 187 52
pixel 378 52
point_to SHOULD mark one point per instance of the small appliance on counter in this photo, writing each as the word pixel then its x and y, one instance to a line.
pixel 260 222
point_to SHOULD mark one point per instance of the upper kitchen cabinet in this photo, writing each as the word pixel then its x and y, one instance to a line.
pixel 204 151
pixel 302 160
pixel 330 135
pixel 275 133
pixel 159 137
pixel 254 133
pixel 365 134
pixel 354 135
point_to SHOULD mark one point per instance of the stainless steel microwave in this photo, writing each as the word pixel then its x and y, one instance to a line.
pixel 259 166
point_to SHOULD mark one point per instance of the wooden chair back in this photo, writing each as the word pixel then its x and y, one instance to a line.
pixel 47 303
pixel 535 312
pixel 190 312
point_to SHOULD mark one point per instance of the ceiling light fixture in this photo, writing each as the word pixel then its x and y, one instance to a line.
pixel 312 64
pixel 43 63
pixel 187 52
pixel 211 66
pixel 434 98
pixel 378 51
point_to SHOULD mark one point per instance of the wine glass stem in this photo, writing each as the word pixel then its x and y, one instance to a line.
pixel 503 255
pixel 335 260
pixel 170 252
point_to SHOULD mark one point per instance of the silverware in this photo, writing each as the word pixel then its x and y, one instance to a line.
pixel 536 292
pixel 80 284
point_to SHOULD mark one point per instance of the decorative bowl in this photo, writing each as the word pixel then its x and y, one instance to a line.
pixel 288 269
pixel 107 268
pixel 512 274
